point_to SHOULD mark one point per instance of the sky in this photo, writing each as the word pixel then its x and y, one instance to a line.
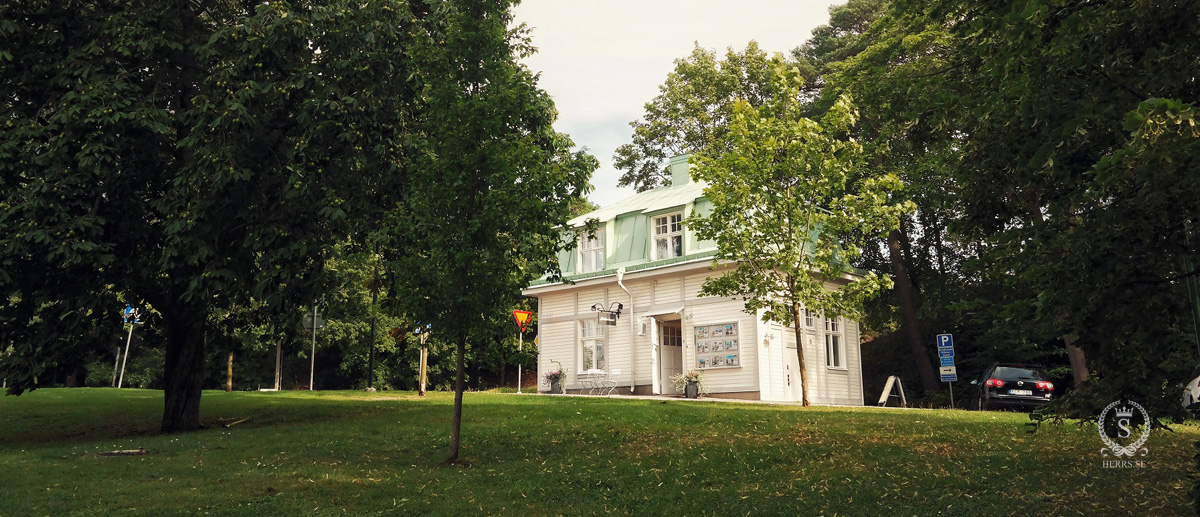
pixel 602 61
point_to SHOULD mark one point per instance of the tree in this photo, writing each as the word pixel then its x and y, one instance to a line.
pixel 791 212
pixel 1080 173
pixel 842 38
pixel 896 69
pixel 490 181
pixel 692 110
pixel 189 156
pixel 1067 143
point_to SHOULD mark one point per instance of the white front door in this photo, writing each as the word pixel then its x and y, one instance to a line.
pixel 791 369
pixel 670 354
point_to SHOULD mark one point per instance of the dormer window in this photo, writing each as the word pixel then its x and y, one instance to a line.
pixel 668 236
pixel 591 252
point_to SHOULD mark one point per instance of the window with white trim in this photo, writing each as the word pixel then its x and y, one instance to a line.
pixel 834 353
pixel 591 339
pixel 591 252
pixel 809 319
pixel 668 236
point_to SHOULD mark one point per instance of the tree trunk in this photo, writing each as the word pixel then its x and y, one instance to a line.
pixel 798 324
pixel 1079 369
pixel 503 366
pixel 229 375
pixel 904 290
pixel 183 373
pixel 460 385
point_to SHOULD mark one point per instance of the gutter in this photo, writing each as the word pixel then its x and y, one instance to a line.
pixel 632 329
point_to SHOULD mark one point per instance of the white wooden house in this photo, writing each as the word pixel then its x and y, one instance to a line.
pixel 643 258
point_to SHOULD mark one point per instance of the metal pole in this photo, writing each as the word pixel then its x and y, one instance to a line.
pixel 520 348
pixel 278 362
pixel 116 367
pixel 424 359
pixel 312 368
pixel 951 385
pixel 371 360
pixel 121 380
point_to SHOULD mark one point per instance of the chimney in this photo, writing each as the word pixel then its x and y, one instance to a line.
pixel 679 170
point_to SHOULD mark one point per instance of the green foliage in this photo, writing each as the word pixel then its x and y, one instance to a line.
pixel 194 157
pixel 789 209
pixel 693 110
pixel 1048 146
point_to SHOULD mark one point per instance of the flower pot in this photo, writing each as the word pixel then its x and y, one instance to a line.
pixel 692 390
pixel 556 387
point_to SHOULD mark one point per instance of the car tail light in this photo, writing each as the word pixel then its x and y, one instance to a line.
pixel 995 383
pixel 1045 386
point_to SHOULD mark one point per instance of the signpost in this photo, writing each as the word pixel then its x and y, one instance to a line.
pixel 131 316
pixel 313 321
pixel 424 333
pixel 945 345
pixel 523 318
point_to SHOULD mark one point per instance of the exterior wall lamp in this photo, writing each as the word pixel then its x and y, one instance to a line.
pixel 608 316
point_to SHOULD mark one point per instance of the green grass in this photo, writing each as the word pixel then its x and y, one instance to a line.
pixel 355 453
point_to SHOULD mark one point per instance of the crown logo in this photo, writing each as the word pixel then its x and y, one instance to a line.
pixel 1125 412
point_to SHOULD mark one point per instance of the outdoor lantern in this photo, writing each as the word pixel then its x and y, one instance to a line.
pixel 608 316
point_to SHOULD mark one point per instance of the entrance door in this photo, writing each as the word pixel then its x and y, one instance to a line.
pixel 793 390
pixel 670 354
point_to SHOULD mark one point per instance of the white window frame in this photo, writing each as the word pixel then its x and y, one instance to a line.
pixel 591 252
pixel 835 346
pixel 810 318
pixel 592 335
pixel 667 227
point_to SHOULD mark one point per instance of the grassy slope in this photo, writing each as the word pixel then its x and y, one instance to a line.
pixel 348 452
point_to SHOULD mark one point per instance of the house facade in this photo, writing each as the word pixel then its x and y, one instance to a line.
pixel 645 259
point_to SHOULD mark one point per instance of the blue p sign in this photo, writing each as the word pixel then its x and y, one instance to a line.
pixel 945 341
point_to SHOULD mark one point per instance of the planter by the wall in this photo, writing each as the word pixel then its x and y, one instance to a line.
pixel 692 390
pixel 556 387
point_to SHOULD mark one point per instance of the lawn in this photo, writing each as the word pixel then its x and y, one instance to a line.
pixel 354 453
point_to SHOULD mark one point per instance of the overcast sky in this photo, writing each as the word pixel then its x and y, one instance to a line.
pixel 602 61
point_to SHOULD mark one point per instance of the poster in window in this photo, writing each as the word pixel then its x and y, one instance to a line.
pixel 721 352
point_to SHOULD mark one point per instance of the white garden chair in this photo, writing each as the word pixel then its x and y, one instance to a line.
pixel 609 383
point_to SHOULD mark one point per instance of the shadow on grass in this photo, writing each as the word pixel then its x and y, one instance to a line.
pixel 64 416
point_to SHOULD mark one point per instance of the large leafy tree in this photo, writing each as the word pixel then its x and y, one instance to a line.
pixel 1065 135
pixel 1080 172
pixel 490 184
pixel 187 155
pixel 791 210
pixel 692 110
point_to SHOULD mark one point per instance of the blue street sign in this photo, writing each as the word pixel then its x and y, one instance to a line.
pixel 945 352
pixel 947 361
pixel 945 341
pixel 950 378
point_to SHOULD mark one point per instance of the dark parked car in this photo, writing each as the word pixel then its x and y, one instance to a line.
pixel 1019 386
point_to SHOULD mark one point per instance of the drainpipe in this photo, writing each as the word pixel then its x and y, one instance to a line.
pixel 632 329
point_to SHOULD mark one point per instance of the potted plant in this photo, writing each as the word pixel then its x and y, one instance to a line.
pixel 691 384
pixel 555 378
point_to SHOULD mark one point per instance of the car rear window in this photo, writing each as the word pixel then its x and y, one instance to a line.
pixel 1014 373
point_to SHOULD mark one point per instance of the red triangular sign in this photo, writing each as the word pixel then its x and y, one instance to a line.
pixel 522 318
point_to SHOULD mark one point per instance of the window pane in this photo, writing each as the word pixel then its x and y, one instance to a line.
pixel 600 359
pixel 677 241
pixel 837 352
pixel 587 357
pixel 661 248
